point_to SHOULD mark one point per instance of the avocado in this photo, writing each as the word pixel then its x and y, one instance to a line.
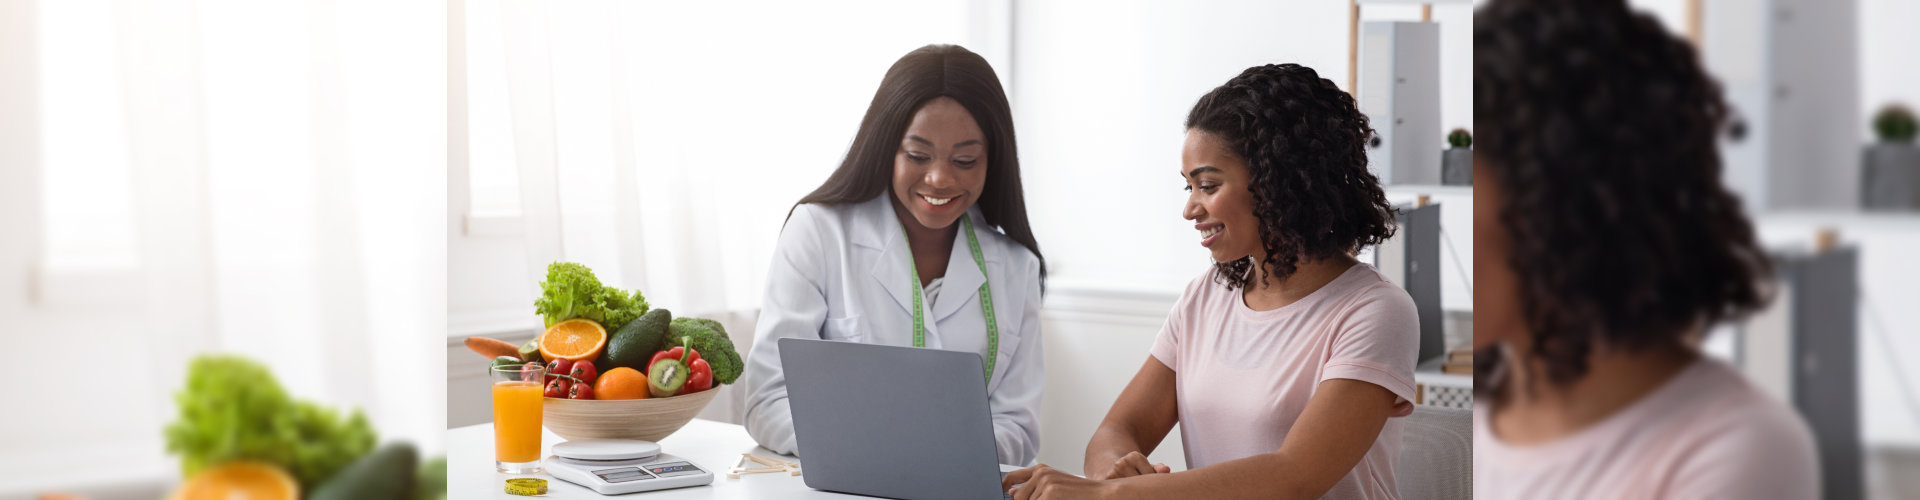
pixel 635 343
pixel 386 474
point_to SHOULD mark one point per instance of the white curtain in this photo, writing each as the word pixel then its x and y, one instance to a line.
pixel 258 177
pixel 661 144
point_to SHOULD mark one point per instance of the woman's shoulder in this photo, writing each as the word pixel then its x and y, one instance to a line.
pixel 1017 256
pixel 818 212
pixel 1734 409
pixel 1363 287
pixel 814 231
pixel 1013 254
pixel 835 218
pixel 1741 437
pixel 1206 290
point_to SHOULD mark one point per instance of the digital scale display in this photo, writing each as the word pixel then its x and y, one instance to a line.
pixel 629 474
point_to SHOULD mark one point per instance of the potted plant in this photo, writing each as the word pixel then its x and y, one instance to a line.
pixel 1891 180
pixel 1456 163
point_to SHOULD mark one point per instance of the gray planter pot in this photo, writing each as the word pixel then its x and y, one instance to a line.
pixel 1456 167
pixel 1891 177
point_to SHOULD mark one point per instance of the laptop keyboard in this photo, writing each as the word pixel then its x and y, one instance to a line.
pixel 1003 494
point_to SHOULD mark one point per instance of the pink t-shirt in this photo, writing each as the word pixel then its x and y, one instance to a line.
pixel 1705 434
pixel 1243 376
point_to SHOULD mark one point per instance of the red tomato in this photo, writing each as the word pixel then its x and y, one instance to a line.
pixel 558 367
pixel 580 391
pixel 557 388
pixel 583 371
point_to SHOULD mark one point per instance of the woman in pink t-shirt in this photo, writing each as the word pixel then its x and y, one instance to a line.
pixel 1604 243
pixel 1285 362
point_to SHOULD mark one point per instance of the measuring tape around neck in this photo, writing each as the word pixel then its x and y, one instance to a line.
pixel 986 298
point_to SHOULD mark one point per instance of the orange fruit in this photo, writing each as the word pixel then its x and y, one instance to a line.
pixel 574 339
pixel 620 383
pixel 248 480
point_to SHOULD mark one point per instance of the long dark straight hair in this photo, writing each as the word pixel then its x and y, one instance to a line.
pixel 926 73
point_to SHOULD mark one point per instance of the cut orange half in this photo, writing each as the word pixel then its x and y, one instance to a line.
pixel 248 480
pixel 574 339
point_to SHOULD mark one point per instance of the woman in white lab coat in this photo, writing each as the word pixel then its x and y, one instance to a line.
pixel 932 180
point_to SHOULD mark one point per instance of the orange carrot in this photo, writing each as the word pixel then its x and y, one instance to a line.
pixel 491 348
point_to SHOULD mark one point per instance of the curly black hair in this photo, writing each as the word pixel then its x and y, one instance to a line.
pixel 1600 126
pixel 1304 142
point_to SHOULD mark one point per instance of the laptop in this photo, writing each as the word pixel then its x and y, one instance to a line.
pixel 891 421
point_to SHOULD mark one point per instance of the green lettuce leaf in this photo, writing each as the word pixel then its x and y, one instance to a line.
pixel 233 409
pixel 571 291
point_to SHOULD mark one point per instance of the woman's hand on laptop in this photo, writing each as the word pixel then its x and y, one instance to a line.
pixel 1041 482
pixel 1132 464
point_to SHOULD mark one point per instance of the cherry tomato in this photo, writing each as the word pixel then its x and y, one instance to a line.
pixel 583 371
pixel 557 388
pixel 580 391
pixel 531 373
pixel 558 367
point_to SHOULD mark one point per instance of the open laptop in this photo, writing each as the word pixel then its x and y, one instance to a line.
pixel 891 421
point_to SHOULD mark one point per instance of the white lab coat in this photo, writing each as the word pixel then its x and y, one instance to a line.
pixel 840 273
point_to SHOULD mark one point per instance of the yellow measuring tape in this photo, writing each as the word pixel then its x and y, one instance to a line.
pixel 527 486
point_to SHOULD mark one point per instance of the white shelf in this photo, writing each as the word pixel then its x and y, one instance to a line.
pixel 1427 189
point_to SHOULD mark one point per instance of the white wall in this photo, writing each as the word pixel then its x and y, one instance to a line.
pixel 1095 341
pixel 1887 41
pixel 1100 92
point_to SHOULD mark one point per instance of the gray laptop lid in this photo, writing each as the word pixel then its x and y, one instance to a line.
pixel 891 421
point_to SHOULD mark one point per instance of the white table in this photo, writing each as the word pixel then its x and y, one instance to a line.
pixel 714 446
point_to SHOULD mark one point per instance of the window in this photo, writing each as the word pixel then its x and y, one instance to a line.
pixel 86 182
pixel 493 179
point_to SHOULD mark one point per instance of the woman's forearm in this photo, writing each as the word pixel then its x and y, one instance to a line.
pixel 1263 476
pixel 1338 427
pixel 1139 420
pixel 1110 442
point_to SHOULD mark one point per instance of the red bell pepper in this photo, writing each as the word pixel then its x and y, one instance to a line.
pixel 676 352
pixel 699 378
pixel 699 372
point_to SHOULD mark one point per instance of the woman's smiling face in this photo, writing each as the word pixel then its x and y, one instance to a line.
pixel 1219 199
pixel 942 164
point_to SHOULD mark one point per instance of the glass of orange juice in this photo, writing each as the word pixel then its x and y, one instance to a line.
pixel 516 417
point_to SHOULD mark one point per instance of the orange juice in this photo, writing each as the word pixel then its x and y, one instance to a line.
pixel 516 421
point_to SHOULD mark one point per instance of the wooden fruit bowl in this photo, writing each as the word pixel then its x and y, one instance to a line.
pixel 645 419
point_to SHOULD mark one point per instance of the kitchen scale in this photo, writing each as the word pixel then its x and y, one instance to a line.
pixel 617 466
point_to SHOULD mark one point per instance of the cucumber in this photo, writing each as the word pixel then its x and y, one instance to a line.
pixel 504 361
pixel 386 474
